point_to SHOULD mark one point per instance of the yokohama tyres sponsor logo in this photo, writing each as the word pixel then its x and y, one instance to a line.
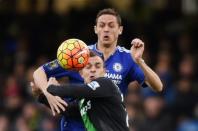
pixel 116 78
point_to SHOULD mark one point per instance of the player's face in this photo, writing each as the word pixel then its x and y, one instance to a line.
pixel 93 70
pixel 107 29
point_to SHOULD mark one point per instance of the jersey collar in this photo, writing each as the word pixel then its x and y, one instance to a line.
pixel 99 52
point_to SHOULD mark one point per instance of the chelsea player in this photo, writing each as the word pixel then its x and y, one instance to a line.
pixel 122 66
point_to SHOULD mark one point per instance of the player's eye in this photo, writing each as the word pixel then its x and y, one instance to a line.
pixel 98 65
pixel 101 25
pixel 88 66
pixel 111 25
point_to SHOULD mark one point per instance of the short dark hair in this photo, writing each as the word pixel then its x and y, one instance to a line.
pixel 109 11
pixel 93 53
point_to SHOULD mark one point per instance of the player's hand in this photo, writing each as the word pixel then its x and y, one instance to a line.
pixel 52 81
pixel 56 103
pixel 137 49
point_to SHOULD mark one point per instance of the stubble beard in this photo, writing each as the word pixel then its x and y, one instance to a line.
pixel 107 45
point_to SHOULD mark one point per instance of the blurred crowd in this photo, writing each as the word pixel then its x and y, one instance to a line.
pixel 32 30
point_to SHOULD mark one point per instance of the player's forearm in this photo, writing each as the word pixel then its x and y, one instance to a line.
pixel 40 79
pixel 152 79
pixel 71 111
pixel 70 90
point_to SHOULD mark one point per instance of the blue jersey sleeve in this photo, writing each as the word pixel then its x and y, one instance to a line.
pixel 53 69
pixel 137 74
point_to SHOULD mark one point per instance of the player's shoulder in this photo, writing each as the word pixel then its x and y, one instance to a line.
pixel 124 53
pixel 98 82
pixel 91 47
pixel 123 50
pixel 103 80
pixel 53 67
pixel 52 64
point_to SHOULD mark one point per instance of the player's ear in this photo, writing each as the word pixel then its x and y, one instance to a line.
pixel 95 30
pixel 80 72
pixel 121 29
pixel 104 70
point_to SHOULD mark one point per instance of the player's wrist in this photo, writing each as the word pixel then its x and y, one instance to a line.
pixel 44 90
pixel 140 61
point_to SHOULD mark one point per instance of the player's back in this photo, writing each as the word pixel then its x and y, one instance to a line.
pixel 105 111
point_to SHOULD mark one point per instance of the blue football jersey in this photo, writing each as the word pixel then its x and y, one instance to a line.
pixel 53 69
pixel 120 67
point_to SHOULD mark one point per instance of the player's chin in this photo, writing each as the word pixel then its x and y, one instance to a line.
pixel 107 43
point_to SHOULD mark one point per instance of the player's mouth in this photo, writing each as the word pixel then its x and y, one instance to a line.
pixel 92 77
pixel 106 37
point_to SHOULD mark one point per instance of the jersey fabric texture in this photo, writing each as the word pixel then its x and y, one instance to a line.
pixel 120 67
pixel 101 104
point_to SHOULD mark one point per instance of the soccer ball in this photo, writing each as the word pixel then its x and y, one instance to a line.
pixel 73 54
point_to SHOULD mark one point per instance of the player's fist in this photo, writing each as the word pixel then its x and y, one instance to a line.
pixel 52 81
pixel 137 49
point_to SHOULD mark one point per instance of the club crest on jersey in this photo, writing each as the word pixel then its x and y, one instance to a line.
pixel 52 65
pixel 117 67
pixel 93 85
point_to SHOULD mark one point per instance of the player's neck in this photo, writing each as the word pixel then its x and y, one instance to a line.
pixel 107 50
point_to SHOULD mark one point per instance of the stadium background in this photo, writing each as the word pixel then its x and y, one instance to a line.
pixel 32 30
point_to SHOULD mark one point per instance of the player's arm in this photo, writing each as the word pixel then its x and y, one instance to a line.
pixel 97 88
pixel 72 110
pixel 151 78
pixel 40 79
pixel 50 69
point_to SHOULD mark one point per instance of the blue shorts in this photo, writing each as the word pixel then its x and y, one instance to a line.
pixel 71 125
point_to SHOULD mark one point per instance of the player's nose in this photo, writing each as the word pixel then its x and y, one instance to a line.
pixel 106 28
pixel 93 69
